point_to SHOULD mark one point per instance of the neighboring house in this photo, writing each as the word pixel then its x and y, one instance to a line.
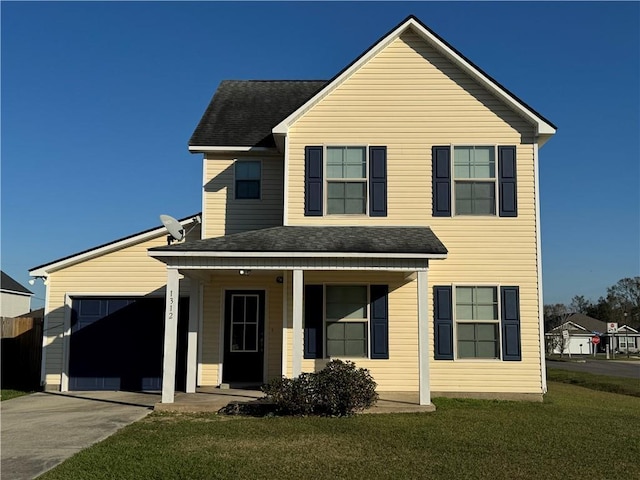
pixel 15 299
pixel 388 216
pixel 582 328
pixel 626 339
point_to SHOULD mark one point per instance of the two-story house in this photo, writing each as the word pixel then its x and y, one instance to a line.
pixel 389 216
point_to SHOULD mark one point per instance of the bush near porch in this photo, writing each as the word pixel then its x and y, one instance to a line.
pixel 469 439
pixel 339 389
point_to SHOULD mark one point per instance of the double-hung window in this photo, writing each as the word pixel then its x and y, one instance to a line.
pixel 346 320
pixel 346 177
pixel 477 322
pixel 248 175
pixel 474 180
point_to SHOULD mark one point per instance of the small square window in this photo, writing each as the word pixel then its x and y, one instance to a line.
pixel 247 179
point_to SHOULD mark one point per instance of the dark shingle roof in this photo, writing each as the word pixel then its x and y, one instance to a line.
pixel 9 284
pixel 382 240
pixel 590 323
pixel 243 112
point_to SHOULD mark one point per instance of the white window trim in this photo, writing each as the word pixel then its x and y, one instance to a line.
pixel 496 196
pixel 231 322
pixel 326 180
pixel 367 321
pixel 455 322
pixel 235 193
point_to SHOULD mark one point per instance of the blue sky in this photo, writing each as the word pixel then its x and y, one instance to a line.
pixel 99 101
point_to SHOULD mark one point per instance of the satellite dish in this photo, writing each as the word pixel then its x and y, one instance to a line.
pixel 173 226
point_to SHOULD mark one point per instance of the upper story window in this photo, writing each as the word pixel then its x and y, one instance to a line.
pixel 474 175
pixel 473 180
pixel 346 180
pixel 248 175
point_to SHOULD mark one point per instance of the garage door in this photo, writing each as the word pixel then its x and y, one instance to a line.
pixel 117 343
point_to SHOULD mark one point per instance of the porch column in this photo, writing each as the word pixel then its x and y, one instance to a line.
pixel 298 282
pixel 170 335
pixel 192 338
pixel 423 340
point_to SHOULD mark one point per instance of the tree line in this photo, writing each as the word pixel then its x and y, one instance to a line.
pixel 621 304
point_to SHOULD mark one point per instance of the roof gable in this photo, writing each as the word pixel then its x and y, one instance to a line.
pixel 47 268
pixel 544 128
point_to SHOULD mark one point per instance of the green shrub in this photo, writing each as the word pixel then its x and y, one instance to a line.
pixel 339 389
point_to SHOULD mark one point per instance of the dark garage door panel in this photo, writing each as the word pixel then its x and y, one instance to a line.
pixel 117 343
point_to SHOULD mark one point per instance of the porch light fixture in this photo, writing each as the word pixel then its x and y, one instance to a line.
pixel 244 272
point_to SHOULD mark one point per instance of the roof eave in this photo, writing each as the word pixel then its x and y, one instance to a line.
pixel 15 292
pixel 159 254
pixel 228 148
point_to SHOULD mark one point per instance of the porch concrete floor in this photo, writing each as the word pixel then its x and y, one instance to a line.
pixel 212 399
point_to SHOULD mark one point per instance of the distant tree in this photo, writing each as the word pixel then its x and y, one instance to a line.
pixel 624 297
pixel 600 310
pixel 554 315
pixel 579 304
pixel 621 298
pixel 557 342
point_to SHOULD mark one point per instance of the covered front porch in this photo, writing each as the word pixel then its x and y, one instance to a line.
pixel 282 301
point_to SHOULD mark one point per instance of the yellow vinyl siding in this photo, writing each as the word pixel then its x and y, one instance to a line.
pixel 128 271
pixel 213 318
pixel 410 98
pixel 223 214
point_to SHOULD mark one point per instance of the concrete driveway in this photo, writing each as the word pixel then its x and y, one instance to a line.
pixel 41 430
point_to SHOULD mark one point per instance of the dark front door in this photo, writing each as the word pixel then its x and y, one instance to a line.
pixel 243 336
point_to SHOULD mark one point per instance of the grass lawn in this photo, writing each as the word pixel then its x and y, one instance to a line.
pixel 605 383
pixel 561 438
pixel 8 394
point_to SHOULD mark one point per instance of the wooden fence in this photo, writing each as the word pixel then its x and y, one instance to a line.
pixel 21 352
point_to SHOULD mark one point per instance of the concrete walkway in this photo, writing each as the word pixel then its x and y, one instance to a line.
pixel 212 399
pixel 41 430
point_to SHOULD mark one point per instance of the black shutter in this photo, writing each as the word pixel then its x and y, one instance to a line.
pixel 377 181
pixel 441 167
pixel 313 181
pixel 313 312
pixel 507 180
pixel 443 326
pixel 510 323
pixel 379 323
